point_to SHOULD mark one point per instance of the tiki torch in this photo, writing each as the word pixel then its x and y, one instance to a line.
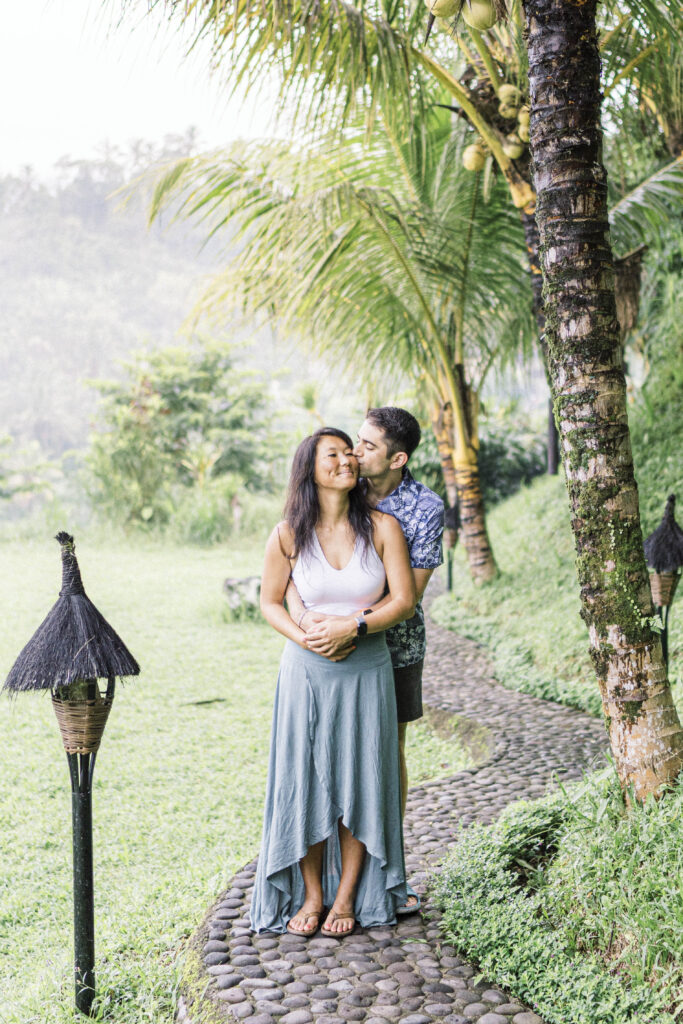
pixel 664 554
pixel 74 648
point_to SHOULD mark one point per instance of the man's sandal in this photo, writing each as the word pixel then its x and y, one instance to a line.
pixel 307 933
pixel 338 917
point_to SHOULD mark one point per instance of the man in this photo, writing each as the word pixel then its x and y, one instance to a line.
pixel 386 440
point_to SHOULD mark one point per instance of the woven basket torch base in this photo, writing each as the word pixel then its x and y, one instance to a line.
pixel 663 586
pixel 82 722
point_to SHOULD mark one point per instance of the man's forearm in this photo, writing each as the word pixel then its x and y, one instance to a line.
pixel 295 605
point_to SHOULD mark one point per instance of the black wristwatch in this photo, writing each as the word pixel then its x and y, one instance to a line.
pixel 361 624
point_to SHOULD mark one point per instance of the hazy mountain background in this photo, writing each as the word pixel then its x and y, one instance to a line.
pixel 84 282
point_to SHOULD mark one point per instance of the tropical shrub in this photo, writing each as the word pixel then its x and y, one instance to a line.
pixel 182 433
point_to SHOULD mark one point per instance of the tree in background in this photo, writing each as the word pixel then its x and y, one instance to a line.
pixel 586 367
pixel 183 418
pixel 390 256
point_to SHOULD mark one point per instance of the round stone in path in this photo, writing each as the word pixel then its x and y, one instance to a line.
pixel 527 1017
pixel 216 958
pixel 493 1018
pixel 297 1017
pixel 228 980
pixel 242 1010
pixel 475 1010
pixel 492 995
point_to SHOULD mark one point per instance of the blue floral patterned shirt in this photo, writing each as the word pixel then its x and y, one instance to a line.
pixel 420 512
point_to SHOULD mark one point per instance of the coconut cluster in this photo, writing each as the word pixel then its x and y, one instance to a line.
pixel 510 107
pixel 479 14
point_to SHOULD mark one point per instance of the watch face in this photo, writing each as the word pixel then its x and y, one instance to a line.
pixel 362 626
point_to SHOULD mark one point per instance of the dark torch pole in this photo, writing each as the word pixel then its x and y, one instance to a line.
pixel 80 767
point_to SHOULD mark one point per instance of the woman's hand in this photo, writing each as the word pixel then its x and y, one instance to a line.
pixel 332 636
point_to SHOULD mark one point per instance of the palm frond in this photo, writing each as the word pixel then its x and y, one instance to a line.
pixel 332 59
pixel 644 213
pixel 366 248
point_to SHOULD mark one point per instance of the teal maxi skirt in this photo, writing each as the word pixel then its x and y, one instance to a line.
pixel 333 755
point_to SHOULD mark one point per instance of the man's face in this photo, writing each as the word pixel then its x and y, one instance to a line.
pixel 371 451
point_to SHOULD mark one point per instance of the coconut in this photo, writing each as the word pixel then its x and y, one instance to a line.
pixel 513 146
pixel 506 111
pixel 509 94
pixel 523 132
pixel 479 14
pixel 442 8
pixel 524 115
pixel 473 158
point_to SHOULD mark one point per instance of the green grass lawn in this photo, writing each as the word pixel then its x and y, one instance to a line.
pixel 178 784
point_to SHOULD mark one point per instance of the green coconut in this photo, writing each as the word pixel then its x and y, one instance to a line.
pixel 479 14
pixel 473 157
pixel 523 132
pixel 507 111
pixel 513 146
pixel 442 8
pixel 524 115
pixel 509 95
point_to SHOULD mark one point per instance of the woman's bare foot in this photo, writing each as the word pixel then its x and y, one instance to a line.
pixel 306 921
pixel 340 921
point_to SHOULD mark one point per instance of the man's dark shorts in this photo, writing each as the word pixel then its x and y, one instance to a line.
pixel 408 683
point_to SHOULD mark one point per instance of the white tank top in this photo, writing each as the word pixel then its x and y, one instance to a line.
pixel 323 588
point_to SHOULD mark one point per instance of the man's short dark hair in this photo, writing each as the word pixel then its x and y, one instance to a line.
pixel 401 430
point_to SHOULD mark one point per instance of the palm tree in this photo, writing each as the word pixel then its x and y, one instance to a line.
pixel 589 393
pixel 385 251
pixel 334 59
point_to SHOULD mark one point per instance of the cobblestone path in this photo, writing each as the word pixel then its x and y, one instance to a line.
pixel 405 973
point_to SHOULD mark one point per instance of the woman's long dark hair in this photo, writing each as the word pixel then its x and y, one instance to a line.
pixel 302 508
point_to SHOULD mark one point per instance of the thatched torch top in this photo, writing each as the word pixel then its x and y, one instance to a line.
pixel 664 546
pixel 74 642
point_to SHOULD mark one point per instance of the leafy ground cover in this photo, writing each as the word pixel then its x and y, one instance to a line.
pixel 178 784
pixel 575 905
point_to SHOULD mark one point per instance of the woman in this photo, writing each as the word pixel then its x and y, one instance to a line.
pixel 332 823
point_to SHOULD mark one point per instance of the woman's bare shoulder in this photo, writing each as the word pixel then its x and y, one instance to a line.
pixel 383 520
pixel 283 535
pixel 386 528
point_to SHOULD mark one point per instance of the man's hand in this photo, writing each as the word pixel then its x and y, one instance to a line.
pixel 332 636
pixel 308 620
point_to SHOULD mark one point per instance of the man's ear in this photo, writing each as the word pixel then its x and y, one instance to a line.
pixel 398 461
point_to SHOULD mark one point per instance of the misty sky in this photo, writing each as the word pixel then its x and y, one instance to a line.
pixel 72 77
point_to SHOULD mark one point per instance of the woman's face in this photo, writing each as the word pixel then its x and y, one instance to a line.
pixel 336 467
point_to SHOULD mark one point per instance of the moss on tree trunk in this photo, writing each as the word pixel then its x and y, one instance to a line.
pixel 584 359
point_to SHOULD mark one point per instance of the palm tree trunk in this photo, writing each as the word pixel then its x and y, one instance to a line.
pixel 459 463
pixel 589 392
pixel 465 443
pixel 473 530
pixel 531 238
pixel 442 425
